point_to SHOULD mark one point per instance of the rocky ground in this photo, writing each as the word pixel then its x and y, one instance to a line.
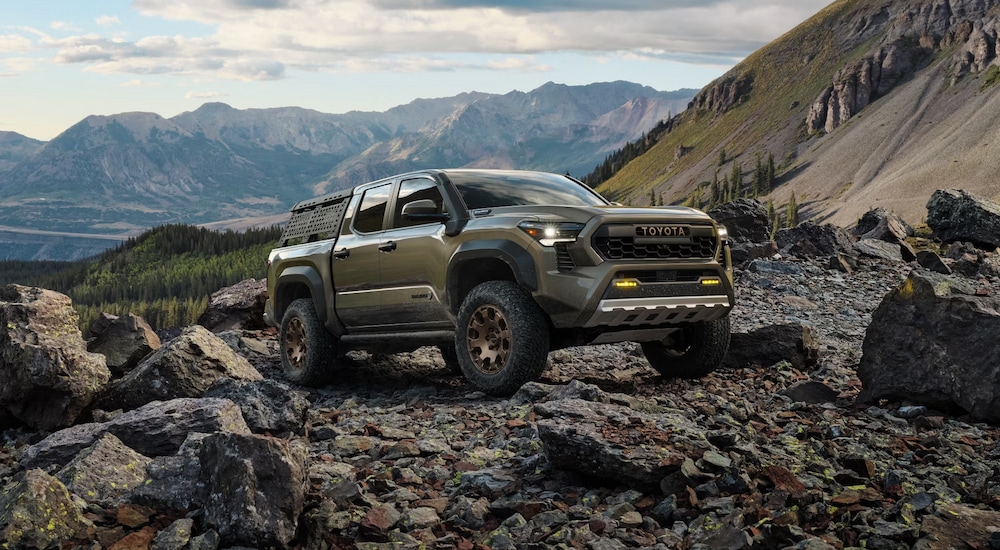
pixel 601 453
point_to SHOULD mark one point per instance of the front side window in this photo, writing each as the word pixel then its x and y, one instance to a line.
pixel 415 190
pixel 372 210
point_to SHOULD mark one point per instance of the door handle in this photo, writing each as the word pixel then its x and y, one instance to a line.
pixel 342 254
pixel 387 247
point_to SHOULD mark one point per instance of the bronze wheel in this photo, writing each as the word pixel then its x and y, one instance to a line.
pixel 502 337
pixel 307 349
pixel 489 339
pixel 296 345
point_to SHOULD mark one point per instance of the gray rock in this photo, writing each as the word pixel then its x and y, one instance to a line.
pixel 746 252
pixel 808 240
pixel 745 219
pixel 797 344
pixel 933 341
pixel 267 405
pixel 105 472
pixel 957 215
pixel 174 481
pixel 255 487
pixel 768 266
pixel 593 439
pixel 933 262
pixel 36 511
pixel 882 225
pixel 207 541
pixel 156 429
pixel 47 377
pixel 811 391
pixel 185 367
pixel 876 248
pixel 238 307
pixel 175 537
pixel 124 342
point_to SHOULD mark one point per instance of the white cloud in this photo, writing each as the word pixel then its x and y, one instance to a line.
pixel 14 43
pixel 263 39
pixel 138 83
pixel 202 95
pixel 63 26
pixel 108 20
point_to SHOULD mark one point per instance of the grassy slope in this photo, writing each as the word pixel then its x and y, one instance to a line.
pixel 792 70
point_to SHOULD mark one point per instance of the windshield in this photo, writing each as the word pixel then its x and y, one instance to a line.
pixel 495 189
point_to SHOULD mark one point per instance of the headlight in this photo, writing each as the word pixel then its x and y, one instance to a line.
pixel 723 234
pixel 550 233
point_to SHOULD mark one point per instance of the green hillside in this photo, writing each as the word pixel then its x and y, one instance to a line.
pixel 784 78
pixel 164 275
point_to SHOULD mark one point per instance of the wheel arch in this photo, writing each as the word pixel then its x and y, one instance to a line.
pixel 299 282
pixel 489 260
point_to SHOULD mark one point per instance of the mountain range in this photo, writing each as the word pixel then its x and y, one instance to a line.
pixel 125 172
pixel 866 104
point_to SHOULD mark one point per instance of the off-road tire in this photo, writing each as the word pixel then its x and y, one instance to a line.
pixel 694 352
pixel 308 351
pixel 501 337
pixel 450 358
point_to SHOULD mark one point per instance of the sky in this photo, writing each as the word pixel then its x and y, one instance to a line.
pixel 63 60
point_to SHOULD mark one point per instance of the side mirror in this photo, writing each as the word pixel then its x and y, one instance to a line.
pixel 424 210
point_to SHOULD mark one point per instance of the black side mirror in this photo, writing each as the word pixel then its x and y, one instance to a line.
pixel 424 210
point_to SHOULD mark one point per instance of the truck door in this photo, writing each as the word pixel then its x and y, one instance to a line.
pixel 356 258
pixel 412 264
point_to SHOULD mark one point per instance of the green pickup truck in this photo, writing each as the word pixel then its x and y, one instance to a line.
pixel 497 268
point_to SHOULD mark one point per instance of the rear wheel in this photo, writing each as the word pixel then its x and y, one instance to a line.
pixel 307 349
pixel 502 337
pixel 691 352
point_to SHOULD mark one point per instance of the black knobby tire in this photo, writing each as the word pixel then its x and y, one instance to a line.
pixel 501 337
pixel 450 357
pixel 692 352
pixel 307 349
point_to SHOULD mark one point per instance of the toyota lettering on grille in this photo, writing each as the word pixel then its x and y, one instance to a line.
pixel 662 231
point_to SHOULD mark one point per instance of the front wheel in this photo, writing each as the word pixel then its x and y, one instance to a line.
pixel 307 349
pixel 691 352
pixel 502 337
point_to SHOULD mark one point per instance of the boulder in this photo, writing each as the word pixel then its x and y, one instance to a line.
pixel 124 341
pixel 745 252
pixel 880 249
pixel 797 344
pixel 174 481
pixel 808 240
pixel 933 341
pixel 36 511
pixel 156 429
pixel 612 442
pixel 959 526
pixel 47 377
pixel 882 225
pixel 933 262
pixel 185 367
pixel 745 219
pixel 238 307
pixel 268 406
pixel 959 215
pixel 255 488
pixel 105 472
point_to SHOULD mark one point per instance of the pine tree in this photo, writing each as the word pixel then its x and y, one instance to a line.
pixel 722 157
pixel 736 180
pixel 792 212
pixel 715 197
pixel 770 173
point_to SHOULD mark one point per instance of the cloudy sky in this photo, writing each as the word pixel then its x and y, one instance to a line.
pixel 61 60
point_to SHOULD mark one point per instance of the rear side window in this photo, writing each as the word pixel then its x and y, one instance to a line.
pixel 372 210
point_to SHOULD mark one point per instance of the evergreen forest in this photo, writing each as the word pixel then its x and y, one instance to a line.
pixel 165 275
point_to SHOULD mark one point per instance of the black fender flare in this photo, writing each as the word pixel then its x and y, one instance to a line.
pixel 520 262
pixel 301 274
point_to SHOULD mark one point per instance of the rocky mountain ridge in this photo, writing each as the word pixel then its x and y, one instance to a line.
pixel 136 170
pixel 867 104
pixel 779 449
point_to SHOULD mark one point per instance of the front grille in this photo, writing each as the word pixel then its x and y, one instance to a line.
pixel 624 248
pixel 564 262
